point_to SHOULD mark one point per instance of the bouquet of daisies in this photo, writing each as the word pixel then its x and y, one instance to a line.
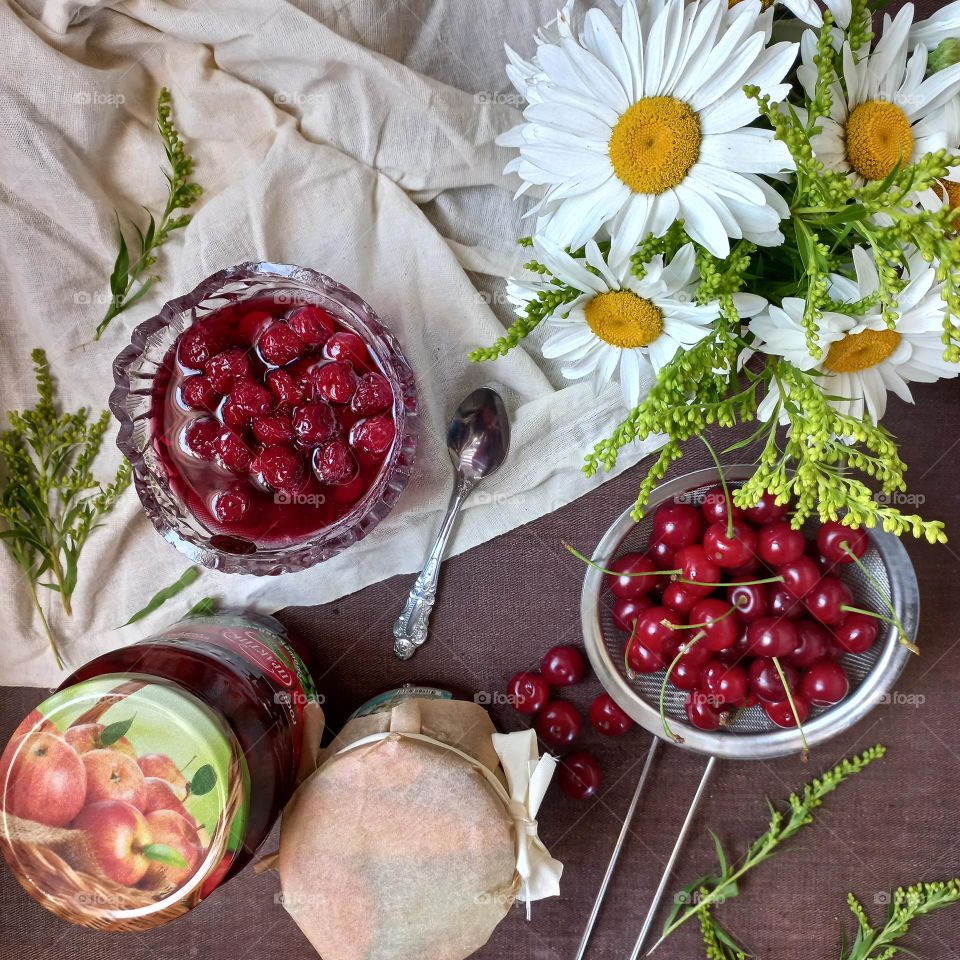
pixel 747 212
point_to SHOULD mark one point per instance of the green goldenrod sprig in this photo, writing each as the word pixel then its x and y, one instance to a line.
pixel 906 905
pixel 706 892
pixel 181 195
pixel 50 502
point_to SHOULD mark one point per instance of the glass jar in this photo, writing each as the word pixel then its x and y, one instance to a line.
pixel 156 771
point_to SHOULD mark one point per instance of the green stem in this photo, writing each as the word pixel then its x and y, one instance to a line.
pixel 793 708
pixel 901 632
pixel 723 484
pixel 46 625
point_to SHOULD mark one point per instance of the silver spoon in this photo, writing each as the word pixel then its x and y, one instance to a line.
pixel 478 440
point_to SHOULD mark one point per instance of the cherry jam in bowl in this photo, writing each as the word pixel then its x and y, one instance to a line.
pixel 270 418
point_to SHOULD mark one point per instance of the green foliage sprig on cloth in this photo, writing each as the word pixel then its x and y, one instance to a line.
pixel 764 244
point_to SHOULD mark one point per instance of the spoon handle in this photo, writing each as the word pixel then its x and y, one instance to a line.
pixel 410 630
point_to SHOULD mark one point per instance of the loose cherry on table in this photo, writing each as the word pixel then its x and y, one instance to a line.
pixel 558 723
pixel 832 537
pixel 579 776
pixel 563 666
pixel 608 718
pixel 528 692
pixel 730 546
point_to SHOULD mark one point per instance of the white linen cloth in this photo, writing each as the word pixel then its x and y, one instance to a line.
pixel 351 136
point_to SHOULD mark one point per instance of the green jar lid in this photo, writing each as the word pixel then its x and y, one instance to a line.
pixel 123 802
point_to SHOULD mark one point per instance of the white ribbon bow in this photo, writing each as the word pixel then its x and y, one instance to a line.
pixel 528 776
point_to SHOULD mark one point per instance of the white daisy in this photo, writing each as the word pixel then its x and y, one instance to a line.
pixel 619 323
pixel 887 113
pixel 633 131
pixel 809 12
pixel 862 358
pixel 940 26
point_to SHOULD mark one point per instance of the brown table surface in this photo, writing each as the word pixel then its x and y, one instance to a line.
pixel 501 606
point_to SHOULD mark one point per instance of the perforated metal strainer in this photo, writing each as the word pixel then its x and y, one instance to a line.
pixel 751 735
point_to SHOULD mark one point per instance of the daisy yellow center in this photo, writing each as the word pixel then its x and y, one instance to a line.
pixel 878 138
pixel 858 351
pixel 624 320
pixel 655 143
pixel 953 193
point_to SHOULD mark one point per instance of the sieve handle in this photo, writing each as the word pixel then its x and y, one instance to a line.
pixel 627 820
pixel 677 847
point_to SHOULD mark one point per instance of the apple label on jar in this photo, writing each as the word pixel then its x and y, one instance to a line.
pixel 126 793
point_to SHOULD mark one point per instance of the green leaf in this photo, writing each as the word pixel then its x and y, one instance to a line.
pixel 720 854
pixel 162 596
pixel 121 267
pixel 162 853
pixel 112 732
pixel 204 780
pixel 203 607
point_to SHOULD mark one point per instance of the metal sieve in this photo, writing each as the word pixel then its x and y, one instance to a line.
pixel 751 735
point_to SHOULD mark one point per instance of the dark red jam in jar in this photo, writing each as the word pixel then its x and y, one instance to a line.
pixel 156 771
pixel 272 422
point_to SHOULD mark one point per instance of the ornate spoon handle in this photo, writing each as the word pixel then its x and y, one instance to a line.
pixel 410 630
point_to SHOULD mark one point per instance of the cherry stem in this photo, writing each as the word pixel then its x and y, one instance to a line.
pixel 793 707
pixel 684 649
pixel 723 485
pixel 896 622
pixel 667 573
pixel 631 674
pixel 697 626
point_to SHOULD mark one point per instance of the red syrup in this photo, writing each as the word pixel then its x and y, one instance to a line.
pixel 272 423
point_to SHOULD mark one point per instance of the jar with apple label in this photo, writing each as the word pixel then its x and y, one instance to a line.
pixel 154 773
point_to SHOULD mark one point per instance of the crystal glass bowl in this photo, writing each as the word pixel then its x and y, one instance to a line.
pixel 133 397
pixel 871 674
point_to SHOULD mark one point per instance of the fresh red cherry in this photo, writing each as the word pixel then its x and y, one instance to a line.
pixel 750 600
pixel 695 566
pixel 579 776
pixel 747 572
pixel 768 637
pixel 766 510
pixel 642 660
pixel 739 652
pixel 678 598
pixel 695 651
pixel 825 683
pixel 607 717
pixel 714 506
pixel 765 681
pixel 661 555
pixel 528 692
pixel 827 599
pixel 623 581
pixel 720 624
pixel 701 711
pixel 677 524
pixel 728 683
pixel 730 551
pixel 626 611
pixel 779 543
pixel 559 723
pixel 782 603
pixel 857 633
pixel 814 643
pixel 686 675
pixel 782 713
pixel 563 666
pixel 832 537
pixel 653 627
pixel 800 576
